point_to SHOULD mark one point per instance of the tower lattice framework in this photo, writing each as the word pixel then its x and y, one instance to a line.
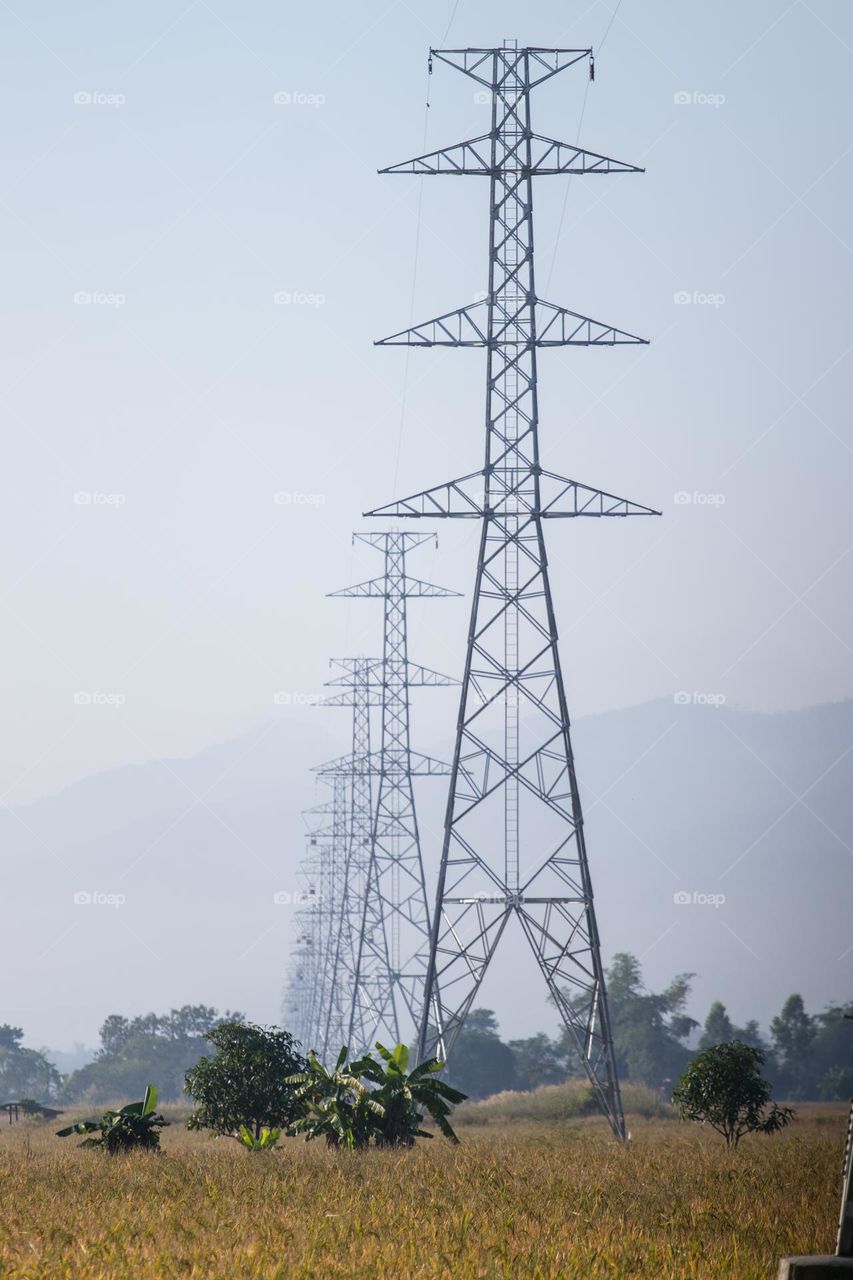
pixel 359 688
pixel 514 843
pixel 387 984
pixel 319 876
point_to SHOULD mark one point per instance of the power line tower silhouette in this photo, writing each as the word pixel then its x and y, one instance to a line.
pixel 360 688
pixel 393 942
pixel 513 769
pixel 320 980
pixel 306 991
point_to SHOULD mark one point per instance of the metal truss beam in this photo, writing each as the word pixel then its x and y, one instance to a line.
pixel 465 499
pixel 542 324
pixel 544 156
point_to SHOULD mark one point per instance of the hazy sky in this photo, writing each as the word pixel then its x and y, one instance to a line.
pixel 149 168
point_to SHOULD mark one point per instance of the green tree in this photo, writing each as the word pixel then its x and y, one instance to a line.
pixel 135 1127
pixel 723 1087
pixel 793 1032
pixel 153 1046
pixel 750 1034
pixel 401 1092
pixel 649 1028
pixel 24 1073
pixel 481 1064
pixel 245 1083
pixel 538 1060
pixel 337 1104
pixel 718 1027
pixel 836 1085
pixel 831 1053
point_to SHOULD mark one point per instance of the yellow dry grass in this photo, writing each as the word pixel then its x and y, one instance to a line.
pixel 516 1199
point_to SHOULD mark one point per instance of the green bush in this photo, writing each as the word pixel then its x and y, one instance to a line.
pixel 135 1127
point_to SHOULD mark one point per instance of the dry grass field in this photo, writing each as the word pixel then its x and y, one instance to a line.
pixel 520 1197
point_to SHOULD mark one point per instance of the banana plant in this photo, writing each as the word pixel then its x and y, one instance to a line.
pixel 135 1127
pixel 264 1142
pixel 339 1107
pixel 401 1093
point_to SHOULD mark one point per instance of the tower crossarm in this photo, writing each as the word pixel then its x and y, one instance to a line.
pixel 482 65
pixel 546 156
pixel 376 587
pixel 466 499
pixel 373 763
pixel 514 324
pixel 373 680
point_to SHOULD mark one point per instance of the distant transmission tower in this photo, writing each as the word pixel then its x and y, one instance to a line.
pixel 513 772
pixel 306 995
pixel 393 940
pixel 359 688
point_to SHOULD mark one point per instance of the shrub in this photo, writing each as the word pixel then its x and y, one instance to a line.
pixel 341 1109
pixel 724 1087
pixel 245 1083
pixel 135 1127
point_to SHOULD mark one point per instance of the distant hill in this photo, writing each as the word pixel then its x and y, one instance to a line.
pixel 680 799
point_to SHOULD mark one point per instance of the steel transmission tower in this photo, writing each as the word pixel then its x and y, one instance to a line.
pixel 393 940
pixel 359 688
pixel 513 771
pixel 318 995
pixel 305 999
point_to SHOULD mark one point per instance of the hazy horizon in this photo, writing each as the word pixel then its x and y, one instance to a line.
pixel 197 257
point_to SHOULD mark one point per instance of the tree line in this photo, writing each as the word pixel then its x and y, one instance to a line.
pixel 807 1056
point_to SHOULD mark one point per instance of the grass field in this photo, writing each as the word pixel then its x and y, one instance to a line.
pixel 520 1197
